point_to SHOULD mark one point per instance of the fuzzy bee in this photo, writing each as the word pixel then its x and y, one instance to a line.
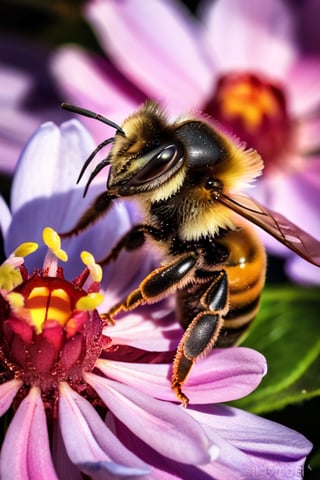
pixel 185 176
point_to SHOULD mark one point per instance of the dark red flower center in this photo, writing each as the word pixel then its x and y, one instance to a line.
pixel 255 109
pixel 49 339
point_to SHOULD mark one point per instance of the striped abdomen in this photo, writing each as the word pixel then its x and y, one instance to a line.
pixel 245 267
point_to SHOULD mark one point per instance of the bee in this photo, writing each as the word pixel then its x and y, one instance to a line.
pixel 186 177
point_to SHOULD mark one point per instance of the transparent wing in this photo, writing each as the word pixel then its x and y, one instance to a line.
pixel 276 225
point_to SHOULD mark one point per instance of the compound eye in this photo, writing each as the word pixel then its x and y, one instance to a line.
pixel 160 162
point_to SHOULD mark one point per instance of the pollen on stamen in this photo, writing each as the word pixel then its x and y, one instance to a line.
pixel 10 276
pixel 25 249
pixel 90 302
pixel 93 267
pixel 16 299
pixel 53 241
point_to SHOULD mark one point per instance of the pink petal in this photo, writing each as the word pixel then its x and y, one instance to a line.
pixel 163 426
pixel 308 135
pixel 26 450
pixel 146 332
pixel 19 82
pixel 5 217
pixel 296 196
pixel 156 45
pixel 250 35
pixel 303 87
pixel 270 447
pixel 252 433
pixel 302 272
pixel 109 94
pixel 89 443
pixel 225 375
pixel 13 137
pixel 44 141
pixel 40 173
pixel 163 468
pixel 28 96
pixel 8 391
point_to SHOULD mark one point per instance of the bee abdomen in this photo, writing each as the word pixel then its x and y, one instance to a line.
pixel 246 276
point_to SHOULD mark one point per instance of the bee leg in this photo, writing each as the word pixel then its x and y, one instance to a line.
pixel 131 241
pixel 160 283
pixel 202 333
pixel 100 207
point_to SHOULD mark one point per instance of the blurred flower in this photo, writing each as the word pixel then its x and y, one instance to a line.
pixel 240 64
pixel 64 371
pixel 28 96
pixel 308 28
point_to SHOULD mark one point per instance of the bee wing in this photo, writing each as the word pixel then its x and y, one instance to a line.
pixel 276 225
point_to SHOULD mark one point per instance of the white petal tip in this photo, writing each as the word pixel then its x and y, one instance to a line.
pixel 214 452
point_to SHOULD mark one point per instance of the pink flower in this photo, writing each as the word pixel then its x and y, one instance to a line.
pixel 28 96
pixel 240 64
pixel 93 399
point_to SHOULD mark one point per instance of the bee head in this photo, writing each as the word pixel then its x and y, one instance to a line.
pixel 147 155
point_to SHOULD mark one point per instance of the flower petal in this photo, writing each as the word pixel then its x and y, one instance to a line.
pixel 271 447
pixel 301 271
pixel 5 217
pixel 277 192
pixel 154 331
pixel 90 444
pixel 26 186
pixel 8 391
pixel 224 375
pixel 163 426
pixel 303 87
pixel 163 468
pixel 26 451
pixel 39 172
pixel 308 135
pixel 109 94
pixel 155 45
pixel 250 35
pixel 28 95
pixel 43 178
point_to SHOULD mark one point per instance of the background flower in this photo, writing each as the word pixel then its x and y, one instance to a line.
pixel 267 95
pixel 28 95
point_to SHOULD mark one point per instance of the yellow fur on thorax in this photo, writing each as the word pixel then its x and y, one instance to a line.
pixel 206 220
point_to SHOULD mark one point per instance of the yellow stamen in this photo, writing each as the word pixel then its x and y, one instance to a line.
pixel 53 242
pixel 90 301
pixel 10 276
pixel 25 249
pixel 16 299
pixel 94 268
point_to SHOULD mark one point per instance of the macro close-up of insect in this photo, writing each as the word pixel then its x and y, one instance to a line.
pixel 187 177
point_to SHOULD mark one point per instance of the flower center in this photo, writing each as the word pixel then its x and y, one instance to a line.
pixel 50 330
pixel 255 110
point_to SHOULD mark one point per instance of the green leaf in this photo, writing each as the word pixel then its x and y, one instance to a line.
pixel 287 332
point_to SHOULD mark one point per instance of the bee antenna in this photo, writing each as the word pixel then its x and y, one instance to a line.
pixel 90 114
pixel 95 172
pixel 92 155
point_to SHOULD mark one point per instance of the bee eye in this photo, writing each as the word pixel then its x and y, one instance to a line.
pixel 159 163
